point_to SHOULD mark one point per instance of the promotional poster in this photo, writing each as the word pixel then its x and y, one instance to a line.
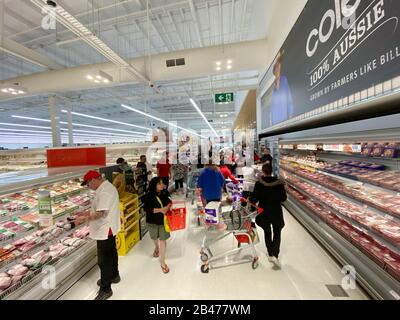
pixel 336 48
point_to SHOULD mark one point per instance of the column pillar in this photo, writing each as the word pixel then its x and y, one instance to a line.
pixel 55 121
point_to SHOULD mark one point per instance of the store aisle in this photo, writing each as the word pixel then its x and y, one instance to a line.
pixel 306 270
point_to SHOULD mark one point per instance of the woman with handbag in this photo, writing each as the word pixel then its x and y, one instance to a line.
pixel 157 204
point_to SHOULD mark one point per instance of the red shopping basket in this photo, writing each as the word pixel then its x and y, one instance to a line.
pixel 244 239
pixel 177 216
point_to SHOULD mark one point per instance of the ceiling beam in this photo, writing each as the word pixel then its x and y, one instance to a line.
pixel 19 18
pixel 196 22
pixel 176 29
pixel 29 55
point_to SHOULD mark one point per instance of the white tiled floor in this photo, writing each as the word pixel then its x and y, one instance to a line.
pixel 306 269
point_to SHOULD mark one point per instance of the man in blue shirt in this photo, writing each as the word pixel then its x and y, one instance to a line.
pixel 282 103
pixel 211 182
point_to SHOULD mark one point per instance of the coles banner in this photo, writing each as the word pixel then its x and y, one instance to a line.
pixel 335 49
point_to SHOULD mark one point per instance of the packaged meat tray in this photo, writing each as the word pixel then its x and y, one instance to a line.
pixel 392 261
pixel 31 217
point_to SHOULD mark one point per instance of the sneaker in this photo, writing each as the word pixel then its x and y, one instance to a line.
pixel 115 280
pixel 276 262
pixel 103 295
pixel 271 259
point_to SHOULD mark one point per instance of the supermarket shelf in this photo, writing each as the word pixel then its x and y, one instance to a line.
pixel 55 219
pixel 15 215
pixel 369 205
pixel 32 251
pixel 28 179
pixel 69 270
pixel 363 182
pixel 378 283
pixel 357 224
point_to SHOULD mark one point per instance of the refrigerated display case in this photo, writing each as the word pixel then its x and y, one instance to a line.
pixel 351 203
pixel 43 262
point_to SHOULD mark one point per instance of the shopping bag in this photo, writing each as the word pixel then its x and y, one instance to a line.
pixel 166 224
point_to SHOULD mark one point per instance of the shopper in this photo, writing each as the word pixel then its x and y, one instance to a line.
pixel 164 169
pixel 266 156
pixel 142 164
pixel 157 204
pixel 179 172
pixel 227 173
pixel 104 223
pixel 249 181
pixel 269 192
pixel 211 182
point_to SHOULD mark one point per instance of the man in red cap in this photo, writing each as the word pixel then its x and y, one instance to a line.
pixel 104 223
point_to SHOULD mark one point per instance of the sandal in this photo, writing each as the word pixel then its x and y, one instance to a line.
pixel 165 269
pixel 156 253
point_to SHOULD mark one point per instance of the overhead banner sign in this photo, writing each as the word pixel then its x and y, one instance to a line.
pixel 335 49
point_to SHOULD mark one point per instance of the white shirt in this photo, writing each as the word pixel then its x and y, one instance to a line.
pixel 106 199
pixel 249 178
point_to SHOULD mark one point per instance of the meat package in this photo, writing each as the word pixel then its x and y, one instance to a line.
pixel 387 228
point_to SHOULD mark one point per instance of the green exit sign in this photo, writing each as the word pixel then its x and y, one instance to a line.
pixel 223 97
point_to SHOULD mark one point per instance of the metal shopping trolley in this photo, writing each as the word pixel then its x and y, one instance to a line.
pixel 191 184
pixel 237 223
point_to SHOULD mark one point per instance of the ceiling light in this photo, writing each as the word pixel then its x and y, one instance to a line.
pixel 74 124
pixel 229 61
pixel 218 68
pixel 159 119
pixel 218 63
pixel 229 67
pixel 99 77
pixel 107 120
pixel 13 89
pixel 30 118
pixel 202 115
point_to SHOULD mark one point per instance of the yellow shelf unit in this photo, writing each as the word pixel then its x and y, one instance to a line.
pixel 130 230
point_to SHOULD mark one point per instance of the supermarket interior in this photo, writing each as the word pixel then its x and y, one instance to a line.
pixel 199 150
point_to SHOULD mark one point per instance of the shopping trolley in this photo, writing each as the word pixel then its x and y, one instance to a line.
pixel 237 223
pixel 191 184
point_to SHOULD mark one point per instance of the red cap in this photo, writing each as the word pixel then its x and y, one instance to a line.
pixel 91 174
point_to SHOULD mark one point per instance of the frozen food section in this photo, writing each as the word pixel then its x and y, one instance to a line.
pixel 43 262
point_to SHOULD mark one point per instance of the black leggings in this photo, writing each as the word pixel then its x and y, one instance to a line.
pixel 272 242
pixel 178 184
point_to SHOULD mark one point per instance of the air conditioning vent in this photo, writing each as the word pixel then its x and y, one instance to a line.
pixel 180 62
pixel 171 63
pixel 175 62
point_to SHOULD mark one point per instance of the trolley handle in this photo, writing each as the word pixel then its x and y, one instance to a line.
pixel 260 210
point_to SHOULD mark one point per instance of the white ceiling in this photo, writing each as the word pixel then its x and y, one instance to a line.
pixel 124 26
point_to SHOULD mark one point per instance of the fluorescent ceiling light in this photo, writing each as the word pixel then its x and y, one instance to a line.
pixel 23 125
pixel 229 61
pixel 76 124
pixel 218 68
pixel 229 67
pixel 218 63
pixel 30 118
pixel 159 119
pixel 202 115
pixel 103 119
pixel 102 133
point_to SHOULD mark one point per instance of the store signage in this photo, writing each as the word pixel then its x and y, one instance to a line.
pixel 287 146
pixel 223 97
pixel 45 210
pixel 333 147
pixel 337 49
pixel 312 147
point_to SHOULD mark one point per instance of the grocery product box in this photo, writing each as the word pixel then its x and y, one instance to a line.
pixel 212 211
